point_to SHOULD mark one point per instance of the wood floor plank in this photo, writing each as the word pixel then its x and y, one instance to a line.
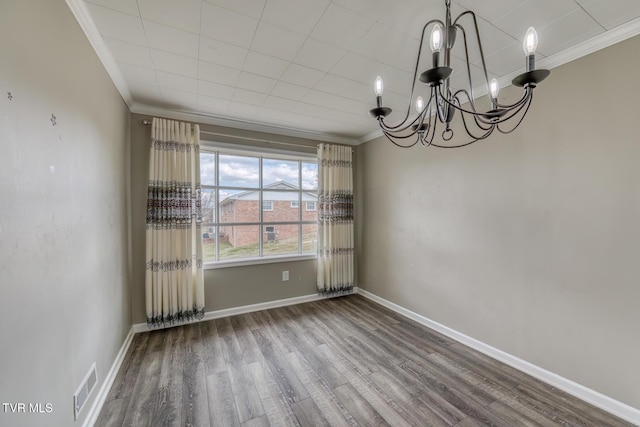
pixel 308 414
pixel 285 378
pixel 222 407
pixel 320 392
pixel 361 410
pixel 113 413
pixel 341 361
pixel 128 372
pixel 142 404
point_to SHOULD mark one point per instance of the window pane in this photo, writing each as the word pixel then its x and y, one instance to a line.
pixel 208 198
pixel 240 241
pixel 239 206
pixel 310 211
pixel 239 171
pixel 207 168
pixel 309 238
pixel 280 239
pixel 281 206
pixel 283 172
pixel 309 176
pixel 209 243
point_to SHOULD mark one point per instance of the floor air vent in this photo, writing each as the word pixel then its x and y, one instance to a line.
pixel 84 391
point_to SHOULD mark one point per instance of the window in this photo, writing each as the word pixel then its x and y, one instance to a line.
pixel 250 205
pixel 311 206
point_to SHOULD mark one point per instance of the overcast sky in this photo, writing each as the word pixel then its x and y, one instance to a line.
pixel 240 171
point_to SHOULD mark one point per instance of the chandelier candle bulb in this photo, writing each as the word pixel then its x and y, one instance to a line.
pixel 530 45
pixel 494 88
pixel 436 43
pixel 419 105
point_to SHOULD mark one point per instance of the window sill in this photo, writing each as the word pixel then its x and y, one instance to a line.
pixel 257 261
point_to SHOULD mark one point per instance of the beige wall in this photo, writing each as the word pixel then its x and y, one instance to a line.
pixel 224 287
pixel 64 294
pixel 528 242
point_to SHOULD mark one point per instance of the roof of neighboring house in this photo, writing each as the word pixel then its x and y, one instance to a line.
pixel 273 195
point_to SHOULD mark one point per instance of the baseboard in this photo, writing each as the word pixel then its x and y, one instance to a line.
pixel 101 397
pixel 217 314
pixel 586 394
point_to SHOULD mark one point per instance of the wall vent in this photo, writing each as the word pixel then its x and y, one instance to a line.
pixel 84 391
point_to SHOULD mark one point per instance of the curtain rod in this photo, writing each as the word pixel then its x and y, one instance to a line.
pixel 268 141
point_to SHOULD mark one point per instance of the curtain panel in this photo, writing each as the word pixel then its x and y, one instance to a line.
pixel 335 220
pixel 174 285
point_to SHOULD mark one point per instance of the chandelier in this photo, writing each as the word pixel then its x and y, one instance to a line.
pixel 444 101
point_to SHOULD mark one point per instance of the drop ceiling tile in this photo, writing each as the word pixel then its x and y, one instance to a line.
pixel 179 99
pixel 129 53
pixel 335 102
pixel 170 39
pixel 137 74
pixel 251 8
pixel 246 111
pixel 255 82
pixel 302 76
pixel 212 105
pixel 388 46
pixel 340 86
pixel 299 16
pixel 248 97
pixel 219 52
pixel 226 25
pixel 217 73
pixel 174 81
pixel 183 14
pixel 278 42
pixel 117 25
pixel 493 40
pixel 611 13
pixel 176 64
pixel 341 27
pixel 506 60
pixel 215 90
pixel 264 65
pixel 493 10
pixel 318 55
pixel 289 91
pixel 567 31
pixel 534 14
pixel 365 70
pixel 126 6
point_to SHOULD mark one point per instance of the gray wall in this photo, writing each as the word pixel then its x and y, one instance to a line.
pixel 528 242
pixel 224 287
pixel 64 294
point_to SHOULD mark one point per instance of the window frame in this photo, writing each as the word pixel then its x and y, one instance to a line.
pixel 315 206
pixel 301 157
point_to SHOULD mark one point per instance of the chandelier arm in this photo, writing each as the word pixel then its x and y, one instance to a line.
pixel 394 129
pixel 415 74
pixel 475 25
pixel 392 137
pixel 519 121
pixel 528 92
pixel 466 52
pixel 480 116
pixel 476 116
pixel 487 130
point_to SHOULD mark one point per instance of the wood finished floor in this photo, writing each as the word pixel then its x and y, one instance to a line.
pixel 336 362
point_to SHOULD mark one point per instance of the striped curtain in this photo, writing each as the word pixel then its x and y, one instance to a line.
pixel 174 278
pixel 335 220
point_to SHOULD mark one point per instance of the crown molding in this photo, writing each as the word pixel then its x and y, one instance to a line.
pixel 228 122
pixel 80 12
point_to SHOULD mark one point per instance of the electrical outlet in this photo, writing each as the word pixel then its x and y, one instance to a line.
pixel 285 276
